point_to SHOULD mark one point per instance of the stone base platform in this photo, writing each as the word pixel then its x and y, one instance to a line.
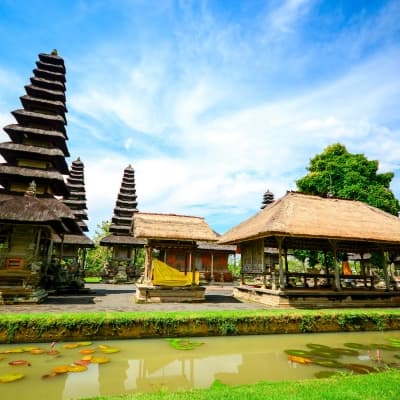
pixel 17 295
pixel 169 294
pixel 315 298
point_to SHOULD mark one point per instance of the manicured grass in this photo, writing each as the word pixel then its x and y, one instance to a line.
pixel 42 327
pixel 382 386
pixel 93 279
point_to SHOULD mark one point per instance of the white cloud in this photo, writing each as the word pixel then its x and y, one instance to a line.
pixel 284 17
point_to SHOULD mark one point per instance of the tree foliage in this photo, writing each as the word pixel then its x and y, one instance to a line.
pixel 344 175
pixel 98 256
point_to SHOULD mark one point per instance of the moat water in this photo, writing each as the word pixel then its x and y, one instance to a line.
pixel 151 365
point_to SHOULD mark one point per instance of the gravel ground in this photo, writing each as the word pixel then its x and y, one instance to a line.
pixel 113 297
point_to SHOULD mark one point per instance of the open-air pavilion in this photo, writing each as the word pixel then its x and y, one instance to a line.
pixel 333 226
pixel 175 238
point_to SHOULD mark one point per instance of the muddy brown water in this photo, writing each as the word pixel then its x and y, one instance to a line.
pixel 151 365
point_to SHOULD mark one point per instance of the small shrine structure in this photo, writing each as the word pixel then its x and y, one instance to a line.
pixel 123 244
pixel 174 239
pixel 330 225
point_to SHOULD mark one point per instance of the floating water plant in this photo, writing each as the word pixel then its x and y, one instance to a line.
pixel 7 378
pixel 328 363
pixel 109 350
pixel 299 359
pixel 358 346
pixel 296 352
pixel 19 363
pixel 87 351
pixel 361 368
pixel 99 360
pixel 326 374
pixel 346 352
pixel 183 344
pixel 77 368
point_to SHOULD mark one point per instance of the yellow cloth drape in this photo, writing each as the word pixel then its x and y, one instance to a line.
pixel 165 275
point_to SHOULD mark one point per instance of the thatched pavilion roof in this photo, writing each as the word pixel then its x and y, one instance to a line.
pixel 172 227
pixel 311 222
pixel 31 210
pixel 77 240
pixel 122 240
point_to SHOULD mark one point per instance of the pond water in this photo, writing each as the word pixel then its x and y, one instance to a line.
pixel 150 365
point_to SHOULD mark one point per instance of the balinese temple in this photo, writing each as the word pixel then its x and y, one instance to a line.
pixel 268 198
pixel 31 177
pixel 123 245
pixel 72 248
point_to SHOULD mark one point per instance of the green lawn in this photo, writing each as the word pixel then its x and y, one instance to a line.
pixel 379 386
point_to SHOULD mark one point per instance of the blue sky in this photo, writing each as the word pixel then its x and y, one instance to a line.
pixel 212 102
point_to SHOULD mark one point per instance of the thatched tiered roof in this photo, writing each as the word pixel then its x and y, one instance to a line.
pixel 38 148
pixel 307 221
pixel 126 204
pixel 172 227
pixel 76 200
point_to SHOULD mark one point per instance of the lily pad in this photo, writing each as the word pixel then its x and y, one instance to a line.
pixel 316 346
pixel 326 374
pixel 19 363
pixel 358 346
pixel 70 345
pixel 300 360
pixel 296 352
pixel 328 363
pixel 321 353
pixel 361 368
pixel 85 343
pixel 37 351
pixel 7 378
pixel 346 352
pixel 77 368
pixel 87 351
pixel 110 350
pixel 61 369
pixel 15 350
pixel 184 344
pixel 100 360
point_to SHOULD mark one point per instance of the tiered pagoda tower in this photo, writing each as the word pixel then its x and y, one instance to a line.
pixel 76 200
pixel 32 218
pixel 124 245
pixel 38 147
pixel 126 204
pixel 267 199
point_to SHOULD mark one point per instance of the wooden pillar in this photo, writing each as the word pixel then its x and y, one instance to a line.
pixel 242 282
pixel 286 266
pixel 281 272
pixel 147 263
pixel 192 268
pixel 385 270
pixel 39 235
pixel 335 264
pixel 212 268
pixel 264 284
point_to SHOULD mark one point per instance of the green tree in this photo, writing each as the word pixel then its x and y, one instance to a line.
pixel 336 172
pixel 345 175
pixel 99 255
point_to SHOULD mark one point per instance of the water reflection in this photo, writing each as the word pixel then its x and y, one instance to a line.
pixel 153 365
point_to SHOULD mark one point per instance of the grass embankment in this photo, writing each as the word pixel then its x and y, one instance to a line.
pixel 19 328
pixel 382 386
